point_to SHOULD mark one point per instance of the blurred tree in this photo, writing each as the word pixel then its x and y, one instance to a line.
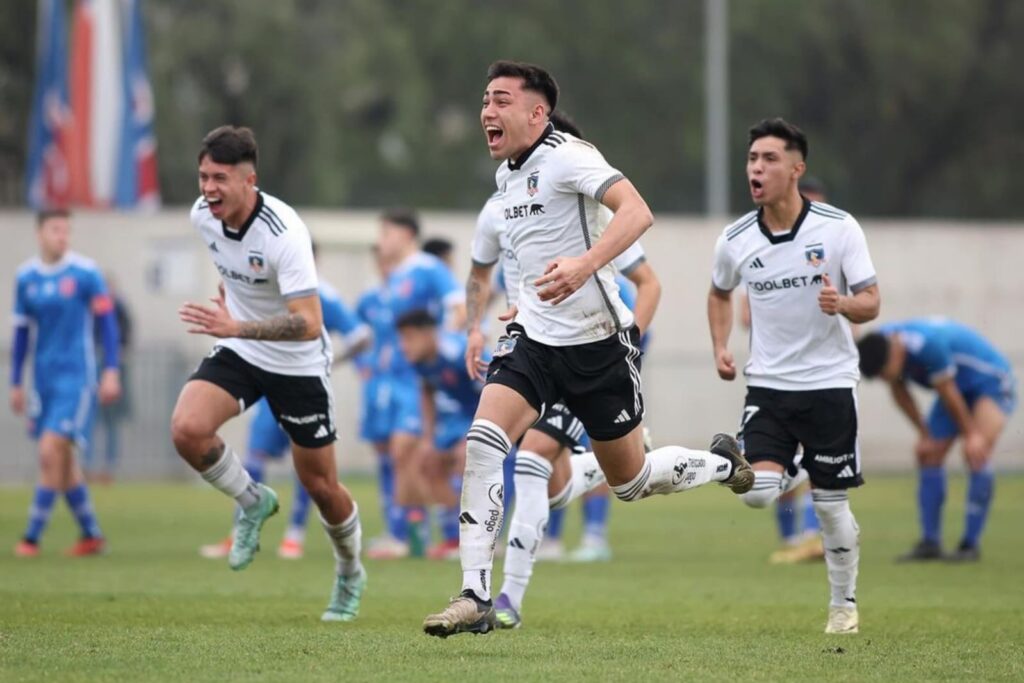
pixel 912 108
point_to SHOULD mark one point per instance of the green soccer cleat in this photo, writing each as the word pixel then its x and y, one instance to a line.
pixel 345 597
pixel 247 529
pixel 505 614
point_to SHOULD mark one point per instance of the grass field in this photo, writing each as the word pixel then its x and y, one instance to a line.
pixel 689 596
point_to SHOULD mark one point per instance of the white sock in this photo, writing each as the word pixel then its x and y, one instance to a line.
pixel 842 545
pixel 586 476
pixel 767 488
pixel 482 507
pixel 670 469
pixel 347 540
pixel 228 476
pixel 529 521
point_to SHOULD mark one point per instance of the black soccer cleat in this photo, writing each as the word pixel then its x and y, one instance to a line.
pixel 923 551
pixel 965 553
pixel 742 478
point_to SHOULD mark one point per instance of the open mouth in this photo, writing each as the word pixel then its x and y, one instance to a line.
pixel 214 203
pixel 494 135
pixel 756 187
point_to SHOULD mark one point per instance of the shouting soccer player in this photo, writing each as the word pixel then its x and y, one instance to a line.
pixel 271 343
pixel 572 339
pixel 57 295
pixel 976 394
pixel 808 275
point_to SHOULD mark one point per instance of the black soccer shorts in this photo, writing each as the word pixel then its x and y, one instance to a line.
pixel 302 404
pixel 823 421
pixel 599 382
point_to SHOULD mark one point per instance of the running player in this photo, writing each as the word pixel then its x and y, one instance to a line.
pixel 416 281
pixel 267 441
pixel 808 273
pixel 271 342
pixel 976 394
pixel 57 296
pixel 572 338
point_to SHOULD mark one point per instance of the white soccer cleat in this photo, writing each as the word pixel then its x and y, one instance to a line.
pixel 842 620
pixel 550 550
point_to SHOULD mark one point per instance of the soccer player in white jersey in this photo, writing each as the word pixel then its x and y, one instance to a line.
pixel 808 275
pixel 271 343
pixel 572 339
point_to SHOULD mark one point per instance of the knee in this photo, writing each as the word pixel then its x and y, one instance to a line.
pixel 762 498
pixel 188 431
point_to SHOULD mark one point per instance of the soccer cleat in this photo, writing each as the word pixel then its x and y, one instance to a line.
pixel 247 529
pixel 810 549
pixel 592 550
pixel 26 549
pixel 505 614
pixel 87 547
pixel 445 550
pixel 964 553
pixel 388 548
pixel 216 551
pixel 842 620
pixel 464 614
pixel 345 597
pixel 924 551
pixel 550 550
pixel 290 549
pixel 742 478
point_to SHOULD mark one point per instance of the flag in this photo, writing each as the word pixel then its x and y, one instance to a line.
pixel 97 92
pixel 137 183
pixel 47 179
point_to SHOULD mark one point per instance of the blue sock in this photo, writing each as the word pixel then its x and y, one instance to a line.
pixel 811 523
pixel 39 513
pixel 450 516
pixel 785 519
pixel 393 515
pixel 300 506
pixel 980 487
pixel 931 494
pixel 556 520
pixel 509 469
pixel 595 515
pixel 78 500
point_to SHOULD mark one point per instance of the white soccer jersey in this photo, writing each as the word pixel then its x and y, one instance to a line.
pixel 548 202
pixel 263 265
pixel 794 346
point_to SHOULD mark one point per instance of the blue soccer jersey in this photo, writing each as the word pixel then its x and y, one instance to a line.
pixel 456 394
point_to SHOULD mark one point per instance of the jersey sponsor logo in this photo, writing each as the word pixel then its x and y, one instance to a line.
pixel 531 183
pixel 523 211
pixel 834 459
pixel 240 277
pixel 536 209
pixel 794 282
pixel 256 261
pixel 304 419
pixel 67 286
pixel 815 254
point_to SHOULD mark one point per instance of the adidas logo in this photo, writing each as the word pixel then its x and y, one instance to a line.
pixel 321 433
pixel 516 543
pixel 846 473
pixel 213 247
pixel 623 417
pixel 466 518
pixel 555 421
pixel 756 264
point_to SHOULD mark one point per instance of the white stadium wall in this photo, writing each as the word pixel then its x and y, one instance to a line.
pixel 964 271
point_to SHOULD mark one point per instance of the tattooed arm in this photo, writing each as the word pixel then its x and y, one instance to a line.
pixel 478 293
pixel 302 322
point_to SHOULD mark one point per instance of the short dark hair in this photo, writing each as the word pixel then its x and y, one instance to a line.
pixel 406 218
pixel 534 78
pixel 47 214
pixel 782 129
pixel 564 123
pixel 874 352
pixel 438 246
pixel 417 318
pixel 230 145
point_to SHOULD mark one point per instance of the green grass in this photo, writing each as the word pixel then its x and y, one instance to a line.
pixel 689 596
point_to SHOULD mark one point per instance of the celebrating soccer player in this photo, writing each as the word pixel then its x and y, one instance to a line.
pixel 808 275
pixel 572 339
pixel 57 296
pixel 977 392
pixel 271 343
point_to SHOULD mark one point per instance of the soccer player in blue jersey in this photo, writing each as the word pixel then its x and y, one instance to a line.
pixel 415 281
pixel 267 441
pixel 976 391
pixel 57 297
pixel 450 398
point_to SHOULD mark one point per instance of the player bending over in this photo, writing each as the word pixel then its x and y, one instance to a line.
pixel 808 274
pixel 976 394
pixel 572 339
pixel 271 343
